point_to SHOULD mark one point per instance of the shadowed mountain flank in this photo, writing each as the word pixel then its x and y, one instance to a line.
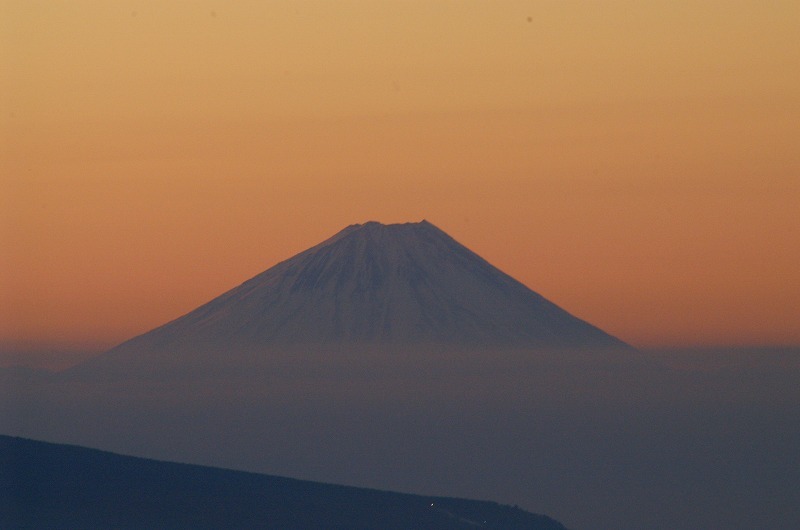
pixel 44 485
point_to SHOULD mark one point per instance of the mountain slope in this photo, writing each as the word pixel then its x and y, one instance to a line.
pixel 389 285
pixel 44 485
pixel 371 287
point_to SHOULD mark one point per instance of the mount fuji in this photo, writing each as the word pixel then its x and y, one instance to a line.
pixel 371 285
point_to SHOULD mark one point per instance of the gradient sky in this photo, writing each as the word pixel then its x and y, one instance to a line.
pixel 635 162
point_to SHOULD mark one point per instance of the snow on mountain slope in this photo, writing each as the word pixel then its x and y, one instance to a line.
pixel 375 284
pixel 384 283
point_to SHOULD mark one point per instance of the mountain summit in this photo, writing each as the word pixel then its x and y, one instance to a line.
pixel 401 284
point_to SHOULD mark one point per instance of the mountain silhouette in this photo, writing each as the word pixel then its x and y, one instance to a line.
pixel 398 285
pixel 45 485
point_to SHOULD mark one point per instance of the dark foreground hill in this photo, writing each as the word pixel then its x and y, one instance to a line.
pixel 44 485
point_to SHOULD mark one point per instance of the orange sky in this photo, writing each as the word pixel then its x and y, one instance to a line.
pixel 635 162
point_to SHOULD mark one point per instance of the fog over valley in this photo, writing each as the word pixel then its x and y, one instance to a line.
pixel 403 361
